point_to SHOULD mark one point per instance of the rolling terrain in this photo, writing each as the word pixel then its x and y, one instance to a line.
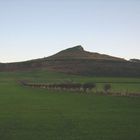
pixel 31 113
pixel 38 114
pixel 76 60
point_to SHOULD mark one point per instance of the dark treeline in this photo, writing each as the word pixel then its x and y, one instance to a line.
pixel 80 88
pixel 62 86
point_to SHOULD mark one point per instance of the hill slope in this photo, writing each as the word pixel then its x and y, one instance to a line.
pixel 76 60
pixel 78 52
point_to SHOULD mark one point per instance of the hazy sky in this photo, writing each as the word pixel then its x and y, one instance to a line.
pixel 38 28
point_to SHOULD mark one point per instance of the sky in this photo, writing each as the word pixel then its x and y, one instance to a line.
pixel 31 29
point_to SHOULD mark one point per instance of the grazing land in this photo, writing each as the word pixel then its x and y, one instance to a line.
pixel 40 114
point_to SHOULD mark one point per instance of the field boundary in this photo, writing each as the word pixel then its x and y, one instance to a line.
pixel 77 87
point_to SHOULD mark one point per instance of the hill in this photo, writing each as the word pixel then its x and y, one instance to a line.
pixel 76 60
pixel 78 52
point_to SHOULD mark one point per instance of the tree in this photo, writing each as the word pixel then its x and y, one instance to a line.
pixel 107 87
pixel 88 86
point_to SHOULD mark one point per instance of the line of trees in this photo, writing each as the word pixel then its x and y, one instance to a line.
pixel 62 86
pixel 85 87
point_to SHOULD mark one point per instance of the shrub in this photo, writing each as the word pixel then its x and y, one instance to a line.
pixel 88 86
pixel 107 87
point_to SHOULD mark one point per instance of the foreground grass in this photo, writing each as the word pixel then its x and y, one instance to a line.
pixel 39 114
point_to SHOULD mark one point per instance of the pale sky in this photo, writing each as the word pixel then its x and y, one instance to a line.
pixel 31 29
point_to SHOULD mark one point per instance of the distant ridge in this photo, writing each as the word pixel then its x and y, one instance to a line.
pixel 78 52
pixel 76 60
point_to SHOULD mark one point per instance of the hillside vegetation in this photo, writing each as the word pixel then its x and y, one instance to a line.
pixel 78 61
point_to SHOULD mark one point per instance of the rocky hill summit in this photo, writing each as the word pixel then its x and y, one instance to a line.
pixel 78 52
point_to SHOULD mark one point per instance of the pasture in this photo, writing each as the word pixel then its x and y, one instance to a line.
pixel 39 114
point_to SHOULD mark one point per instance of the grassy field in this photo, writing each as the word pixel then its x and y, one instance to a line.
pixel 39 114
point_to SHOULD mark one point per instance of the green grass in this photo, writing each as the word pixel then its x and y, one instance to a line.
pixel 118 84
pixel 38 114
